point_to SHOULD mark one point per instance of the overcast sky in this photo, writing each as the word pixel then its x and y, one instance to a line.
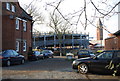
pixel 70 6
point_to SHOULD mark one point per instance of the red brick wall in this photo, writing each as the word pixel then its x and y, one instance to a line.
pixel 9 32
pixel 112 43
pixel 119 42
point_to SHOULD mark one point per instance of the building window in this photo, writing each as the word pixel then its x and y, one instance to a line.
pixel 13 8
pixel 17 46
pixel 24 45
pixel 17 23
pixel 24 25
pixel 8 6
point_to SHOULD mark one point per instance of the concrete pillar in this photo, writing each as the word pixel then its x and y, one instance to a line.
pixel 81 43
pixel 64 40
pixel 88 41
pixel 54 40
pixel 45 40
pixel 72 39
pixel 34 39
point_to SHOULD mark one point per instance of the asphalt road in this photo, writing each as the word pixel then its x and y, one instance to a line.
pixel 51 68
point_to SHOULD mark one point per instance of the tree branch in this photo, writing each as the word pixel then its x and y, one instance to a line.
pixel 104 14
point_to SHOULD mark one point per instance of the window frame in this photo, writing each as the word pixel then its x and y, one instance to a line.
pixel 17 46
pixel 8 6
pixel 24 45
pixel 24 25
pixel 17 24
pixel 13 8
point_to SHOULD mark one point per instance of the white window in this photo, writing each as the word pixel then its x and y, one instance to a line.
pixel 17 46
pixel 13 8
pixel 17 23
pixel 24 45
pixel 8 6
pixel 24 25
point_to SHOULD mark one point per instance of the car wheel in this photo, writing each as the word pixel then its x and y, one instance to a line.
pixel 22 61
pixel 52 57
pixel 8 63
pixel 37 58
pixel 83 68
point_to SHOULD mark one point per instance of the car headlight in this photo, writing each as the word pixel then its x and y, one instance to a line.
pixel 75 62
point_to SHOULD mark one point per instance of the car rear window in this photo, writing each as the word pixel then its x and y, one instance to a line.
pixel 83 52
pixel 105 55
pixel 36 52
pixel 7 53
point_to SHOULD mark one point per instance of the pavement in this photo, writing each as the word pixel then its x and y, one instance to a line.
pixel 51 68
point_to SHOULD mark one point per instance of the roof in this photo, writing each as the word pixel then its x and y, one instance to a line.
pixel 110 37
pixel 21 12
pixel 99 24
pixel 117 33
pixel 25 14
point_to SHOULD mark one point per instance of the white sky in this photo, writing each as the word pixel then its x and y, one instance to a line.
pixel 69 6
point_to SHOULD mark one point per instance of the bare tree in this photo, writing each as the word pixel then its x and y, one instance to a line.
pixel 60 27
pixel 97 11
pixel 35 12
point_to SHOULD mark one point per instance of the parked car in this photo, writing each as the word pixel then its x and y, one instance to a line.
pixel 47 53
pixel 85 53
pixel 98 63
pixel 10 57
pixel 70 55
pixel 35 55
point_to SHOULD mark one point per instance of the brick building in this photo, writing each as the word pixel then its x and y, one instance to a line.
pixel 113 42
pixel 16 28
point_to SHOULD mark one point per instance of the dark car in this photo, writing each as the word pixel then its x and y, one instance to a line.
pixel 35 55
pixel 99 63
pixel 47 53
pixel 10 57
pixel 85 53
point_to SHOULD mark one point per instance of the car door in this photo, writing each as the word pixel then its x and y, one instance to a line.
pixel 101 62
pixel 11 56
pixel 116 59
pixel 17 58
